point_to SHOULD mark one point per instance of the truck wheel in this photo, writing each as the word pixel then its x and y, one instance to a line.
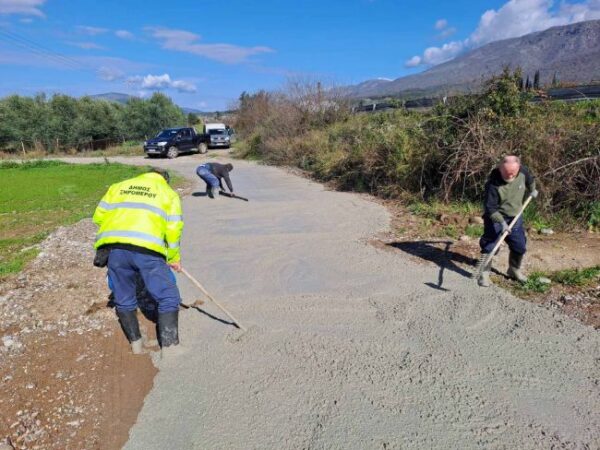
pixel 172 152
pixel 202 147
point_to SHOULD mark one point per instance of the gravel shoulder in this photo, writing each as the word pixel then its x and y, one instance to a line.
pixel 67 377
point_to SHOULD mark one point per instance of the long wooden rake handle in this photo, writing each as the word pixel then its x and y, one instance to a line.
pixel 205 292
pixel 503 236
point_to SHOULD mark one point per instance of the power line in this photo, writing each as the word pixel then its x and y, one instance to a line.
pixel 43 51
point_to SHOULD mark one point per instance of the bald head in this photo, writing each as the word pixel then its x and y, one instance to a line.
pixel 509 167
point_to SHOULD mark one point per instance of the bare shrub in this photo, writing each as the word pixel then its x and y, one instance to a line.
pixel 444 154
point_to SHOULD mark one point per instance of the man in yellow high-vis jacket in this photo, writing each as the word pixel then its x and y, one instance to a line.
pixel 140 222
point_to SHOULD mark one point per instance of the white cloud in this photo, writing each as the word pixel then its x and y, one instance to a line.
pixel 519 17
pixel 441 24
pixel 110 73
pixel 444 30
pixel 92 31
pixel 185 41
pixel 513 19
pixel 446 33
pixel 158 82
pixel 24 7
pixel 415 61
pixel 124 34
pixel 86 45
pixel 26 20
pixel 107 67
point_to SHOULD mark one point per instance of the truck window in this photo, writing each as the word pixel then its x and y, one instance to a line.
pixel 166 134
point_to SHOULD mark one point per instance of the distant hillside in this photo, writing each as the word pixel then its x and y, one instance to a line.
pixel 572 52
pixel 124 98
pixel 113 97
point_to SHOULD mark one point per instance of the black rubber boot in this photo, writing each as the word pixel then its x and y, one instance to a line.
pixel 168 328
pixel 131 328
pixel 514 267
pixel 129 324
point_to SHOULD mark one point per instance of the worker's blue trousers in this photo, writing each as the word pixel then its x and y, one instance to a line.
pixel 144 301
pixel 123 268
pixel 516 240
pixel 207 176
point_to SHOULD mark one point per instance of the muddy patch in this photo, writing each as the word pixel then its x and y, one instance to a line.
pixel 67 377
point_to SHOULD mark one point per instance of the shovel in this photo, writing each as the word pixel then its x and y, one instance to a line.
pixel 485 260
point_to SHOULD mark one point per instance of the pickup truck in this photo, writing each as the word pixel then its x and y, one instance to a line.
pixel 171 142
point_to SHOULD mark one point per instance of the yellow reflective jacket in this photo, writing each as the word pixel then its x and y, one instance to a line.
pixel 142 211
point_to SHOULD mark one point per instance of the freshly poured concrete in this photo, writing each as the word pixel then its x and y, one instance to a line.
pixel 348 346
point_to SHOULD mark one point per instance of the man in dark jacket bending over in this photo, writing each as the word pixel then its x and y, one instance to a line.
pixel 212 174
pixel 505 192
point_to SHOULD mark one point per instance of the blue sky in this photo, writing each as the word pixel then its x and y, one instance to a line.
pixel 204 53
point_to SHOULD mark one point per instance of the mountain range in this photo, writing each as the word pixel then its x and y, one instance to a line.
pixel 571 53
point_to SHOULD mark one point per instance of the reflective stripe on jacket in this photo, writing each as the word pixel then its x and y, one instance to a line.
pixel 142 211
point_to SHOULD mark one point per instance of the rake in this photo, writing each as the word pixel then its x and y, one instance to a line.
pixel 210 297
pixel 485 259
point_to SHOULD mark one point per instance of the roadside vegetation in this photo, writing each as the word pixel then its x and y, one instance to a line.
pixel 435 158
pixel 581 278
pixel 39 196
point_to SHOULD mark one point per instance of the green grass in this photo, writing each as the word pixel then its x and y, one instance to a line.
pixel 451 231
pixel 474 230
pixel 568 277
pixel 533 284
pixel 38 196
pixel 577 277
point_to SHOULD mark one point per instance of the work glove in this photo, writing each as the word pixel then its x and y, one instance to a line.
pixel 534 193
pixel 505 227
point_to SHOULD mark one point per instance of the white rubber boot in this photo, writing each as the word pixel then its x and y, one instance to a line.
pixel 484 277
pixel 137 347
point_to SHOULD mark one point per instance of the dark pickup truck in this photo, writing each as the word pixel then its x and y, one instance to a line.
pixel 171 142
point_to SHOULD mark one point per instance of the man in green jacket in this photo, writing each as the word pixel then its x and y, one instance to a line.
pixel 505 191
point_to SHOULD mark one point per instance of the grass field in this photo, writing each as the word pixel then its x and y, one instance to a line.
pixel 37 197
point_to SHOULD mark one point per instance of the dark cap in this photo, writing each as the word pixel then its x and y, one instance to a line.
pixel 161 172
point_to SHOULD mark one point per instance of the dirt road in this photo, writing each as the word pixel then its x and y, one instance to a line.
pixel 351 346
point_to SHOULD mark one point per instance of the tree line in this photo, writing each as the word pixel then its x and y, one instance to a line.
pixel 62 122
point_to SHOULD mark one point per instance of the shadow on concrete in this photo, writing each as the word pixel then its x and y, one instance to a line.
pixel 443 257
pixel 225 322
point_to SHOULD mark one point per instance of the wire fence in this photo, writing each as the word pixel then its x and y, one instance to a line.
pixel 25 144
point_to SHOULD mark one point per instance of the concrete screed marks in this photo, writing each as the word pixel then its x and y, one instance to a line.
pixel 352 348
